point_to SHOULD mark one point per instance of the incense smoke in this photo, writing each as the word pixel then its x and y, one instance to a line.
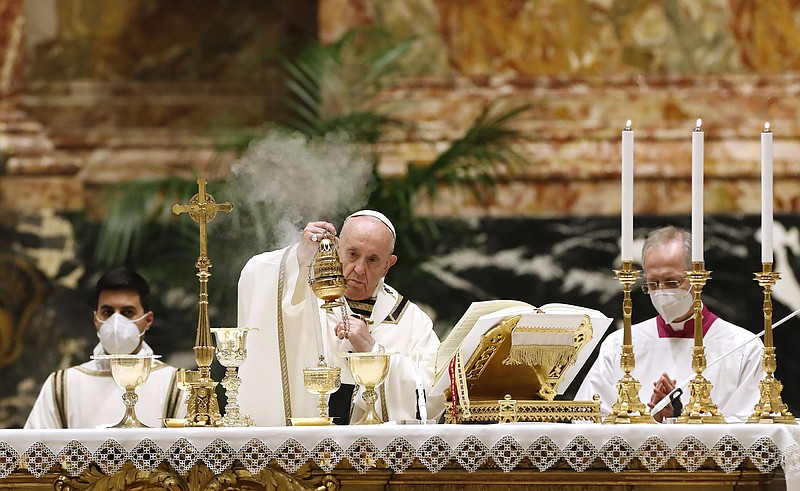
pixel 294 179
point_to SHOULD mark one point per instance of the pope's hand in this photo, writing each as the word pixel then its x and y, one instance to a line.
pixel 357 332
pixel 312 234
pixel 661 387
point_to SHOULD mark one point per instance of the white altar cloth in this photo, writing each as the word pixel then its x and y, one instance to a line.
pixel 767 447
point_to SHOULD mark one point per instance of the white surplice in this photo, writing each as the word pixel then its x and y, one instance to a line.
pixel 93 399
pixel 398 326
pixel 735 379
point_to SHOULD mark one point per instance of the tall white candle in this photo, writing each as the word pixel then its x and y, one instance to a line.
pixel 697 193
pixel 766 195
pixel 627 192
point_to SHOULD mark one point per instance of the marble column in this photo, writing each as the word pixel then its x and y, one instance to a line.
pixel 12 39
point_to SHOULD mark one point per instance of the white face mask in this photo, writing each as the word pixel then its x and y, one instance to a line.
pixel 672 304
pixel 119 335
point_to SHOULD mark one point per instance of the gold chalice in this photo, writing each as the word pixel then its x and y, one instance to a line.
pixel 130 372
pixel 325 275
pixel 369 371
pixel 231 353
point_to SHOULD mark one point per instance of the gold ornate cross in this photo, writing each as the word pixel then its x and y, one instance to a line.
pixel 203 408
pixel 202 208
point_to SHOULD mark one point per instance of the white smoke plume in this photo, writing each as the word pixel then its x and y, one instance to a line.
pixel 300 179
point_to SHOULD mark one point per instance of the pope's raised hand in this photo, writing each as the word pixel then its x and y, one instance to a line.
pixel 309 243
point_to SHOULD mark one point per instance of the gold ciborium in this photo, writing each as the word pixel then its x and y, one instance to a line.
pixel 325 275
pixel 322 380
pixel 369 371
pixel 130 372
pixel 231 354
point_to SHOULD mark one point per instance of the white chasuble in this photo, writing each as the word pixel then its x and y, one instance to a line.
pixel 292 337
pixel 735 378
pixel 86 396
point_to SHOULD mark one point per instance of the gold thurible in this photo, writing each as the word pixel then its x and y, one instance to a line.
pixel 770 407
pixel 203 407
pixel 700 408
pixel 325 276
pixel 628 408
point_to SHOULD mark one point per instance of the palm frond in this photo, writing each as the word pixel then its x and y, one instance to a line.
pixel 139 209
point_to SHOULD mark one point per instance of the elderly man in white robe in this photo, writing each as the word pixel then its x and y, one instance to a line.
pixel 275 298
pixel 86 396
pixel 663 345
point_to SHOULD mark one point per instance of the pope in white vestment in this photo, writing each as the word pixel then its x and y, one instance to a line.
pixel 86 396
pixel 275 298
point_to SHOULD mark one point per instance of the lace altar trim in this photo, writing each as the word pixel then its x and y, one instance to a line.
pixel 435 453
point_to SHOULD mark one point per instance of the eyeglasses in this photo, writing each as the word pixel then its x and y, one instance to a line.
pixel 662 285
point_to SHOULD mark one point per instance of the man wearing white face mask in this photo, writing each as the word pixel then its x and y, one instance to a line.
pixel 663 345
pixel 86 396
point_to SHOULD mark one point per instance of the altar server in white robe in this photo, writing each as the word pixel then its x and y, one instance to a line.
pixel 86 396
pixel 663 345
pixel 275 298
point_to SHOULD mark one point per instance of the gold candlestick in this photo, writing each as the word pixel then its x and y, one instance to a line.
pixel 770 407
pixel 700 408
pixel 628 408
pixel 203 407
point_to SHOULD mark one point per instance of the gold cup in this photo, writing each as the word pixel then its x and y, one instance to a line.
pixel 231 354
pixel 186 377
pixel 130 372
pixel 322 380
pixel 369 371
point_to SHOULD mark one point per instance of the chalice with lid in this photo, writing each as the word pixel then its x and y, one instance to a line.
pixel 322 380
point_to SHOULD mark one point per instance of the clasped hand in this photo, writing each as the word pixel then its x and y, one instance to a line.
pixel 661 388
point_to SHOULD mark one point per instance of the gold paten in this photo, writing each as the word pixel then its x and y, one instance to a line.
pixel 369 370
pixel 325 275
pixel 322 380
pixel 770 407
pixel 628 408
pixel 203 407
pixel 700 408
pixel 493 384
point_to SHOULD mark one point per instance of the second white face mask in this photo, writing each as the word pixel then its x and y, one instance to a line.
pixel 119 335
pixel 672 304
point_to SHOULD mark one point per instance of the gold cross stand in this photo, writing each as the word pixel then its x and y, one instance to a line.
pixel 203 406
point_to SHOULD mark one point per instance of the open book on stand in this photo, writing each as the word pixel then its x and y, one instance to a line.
pixel 506 360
